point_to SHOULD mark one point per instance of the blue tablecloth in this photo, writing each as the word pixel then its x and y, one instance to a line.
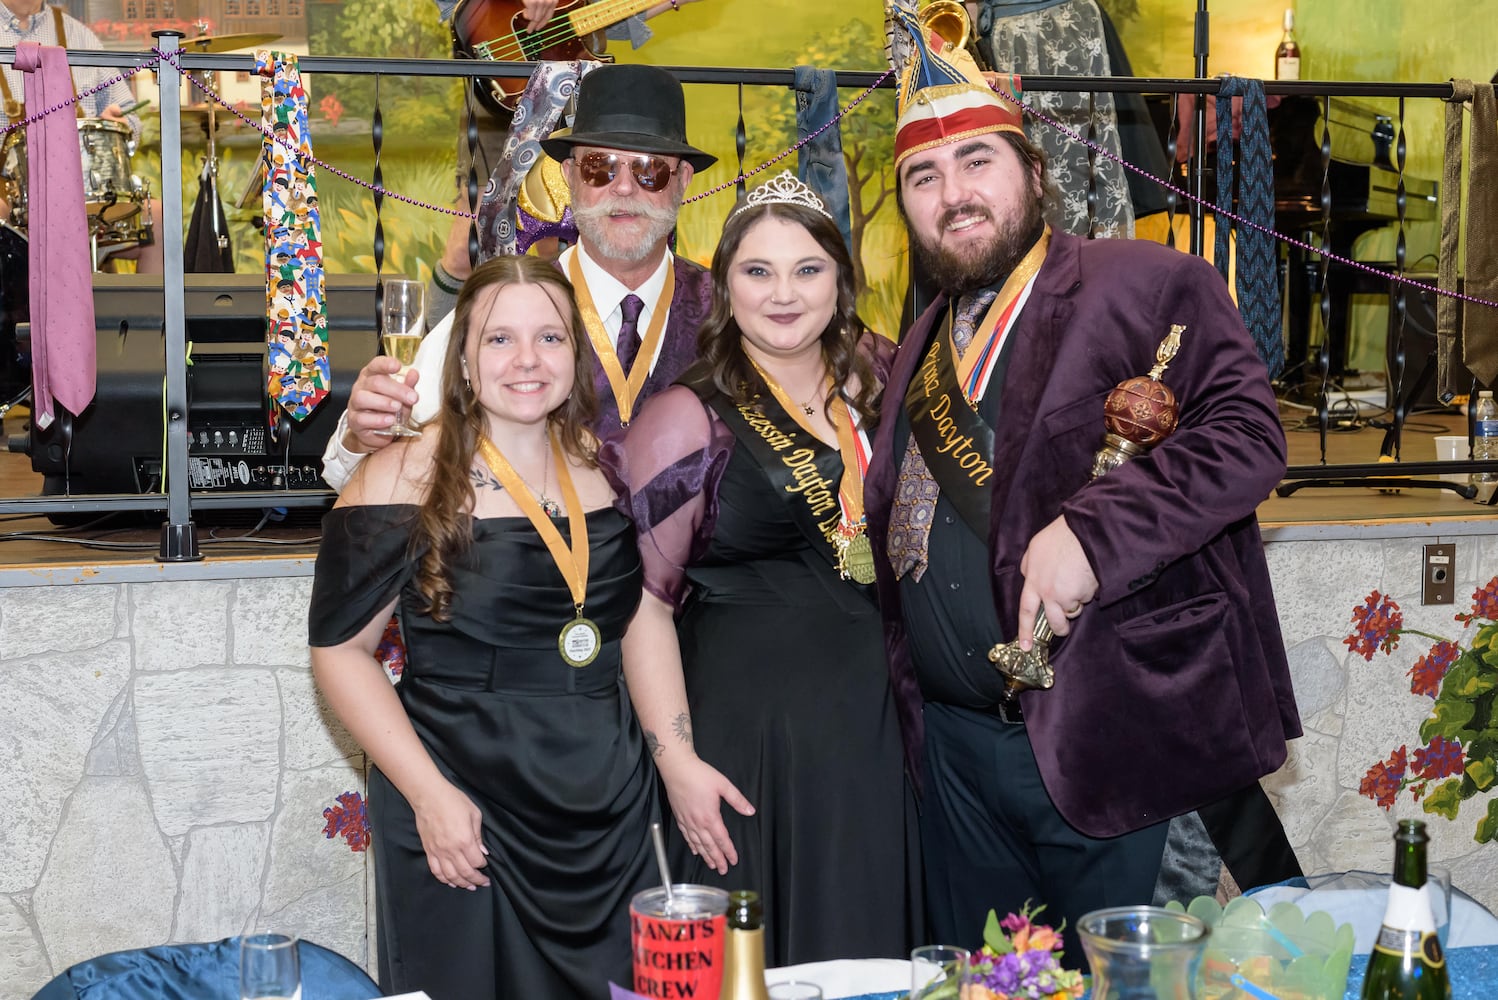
pixel 1474 976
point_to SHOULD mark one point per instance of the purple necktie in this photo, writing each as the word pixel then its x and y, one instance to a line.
pixel 629 332
pixel 63 345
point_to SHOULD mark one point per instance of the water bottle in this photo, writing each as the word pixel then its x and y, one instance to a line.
pixel 1485 441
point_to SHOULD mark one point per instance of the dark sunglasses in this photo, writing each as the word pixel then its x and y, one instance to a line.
pixel 651 172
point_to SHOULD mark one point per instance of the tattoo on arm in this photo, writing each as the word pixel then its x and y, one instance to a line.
pixel 653 744
pixel 682 727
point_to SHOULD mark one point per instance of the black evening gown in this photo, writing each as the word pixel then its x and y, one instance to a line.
pixel 551 755
pixel 786 679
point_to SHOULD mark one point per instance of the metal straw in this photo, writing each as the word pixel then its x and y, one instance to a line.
pixel 660 859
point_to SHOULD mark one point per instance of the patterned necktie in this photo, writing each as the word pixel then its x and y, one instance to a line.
pixel 64 347
pixel 916 490
pixel 629 331
pixel 297 331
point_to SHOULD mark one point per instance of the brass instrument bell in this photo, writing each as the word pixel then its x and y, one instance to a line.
pixel 948 18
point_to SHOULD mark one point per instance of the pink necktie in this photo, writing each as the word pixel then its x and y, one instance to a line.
pixel 63 348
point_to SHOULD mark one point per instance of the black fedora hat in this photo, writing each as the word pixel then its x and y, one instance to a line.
pixel 629 106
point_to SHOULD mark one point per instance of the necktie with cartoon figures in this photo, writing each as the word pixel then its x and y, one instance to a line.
pixel 297 323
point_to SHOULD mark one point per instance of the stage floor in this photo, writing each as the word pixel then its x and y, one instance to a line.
pixel 35 541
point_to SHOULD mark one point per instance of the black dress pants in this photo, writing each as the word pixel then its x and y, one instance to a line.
pixel 992 840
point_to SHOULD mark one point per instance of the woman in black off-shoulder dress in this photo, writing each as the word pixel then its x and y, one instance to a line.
pixel 511 795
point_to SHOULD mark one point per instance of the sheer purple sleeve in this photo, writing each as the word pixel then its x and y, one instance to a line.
pixel 666 469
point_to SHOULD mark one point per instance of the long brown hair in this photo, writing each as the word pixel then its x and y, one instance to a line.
pixel 444 531
pixel 720 342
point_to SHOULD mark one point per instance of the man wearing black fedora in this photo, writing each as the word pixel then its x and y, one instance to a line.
pixel 627 163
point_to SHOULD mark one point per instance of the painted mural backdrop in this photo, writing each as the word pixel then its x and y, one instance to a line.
pixel 1426 41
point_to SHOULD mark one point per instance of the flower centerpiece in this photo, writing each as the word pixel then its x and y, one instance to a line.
pixel 1457 757
pixel 1021 959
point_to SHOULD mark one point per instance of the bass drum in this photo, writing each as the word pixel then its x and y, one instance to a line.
pixel 15 307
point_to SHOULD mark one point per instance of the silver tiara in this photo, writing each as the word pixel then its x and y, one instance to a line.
pixel 784 189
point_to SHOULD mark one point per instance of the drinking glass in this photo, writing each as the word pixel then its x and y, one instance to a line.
pixel 794 990
pixel 939 971
pixel 402 325
pixel 1142 951
pixel 269 968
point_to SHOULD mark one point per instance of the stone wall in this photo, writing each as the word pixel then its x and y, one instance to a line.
pixel 166 763
pixel 166 767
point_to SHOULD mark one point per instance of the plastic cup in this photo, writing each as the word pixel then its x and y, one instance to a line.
pixel 678 945
pixel 935 968
pixel 1452 448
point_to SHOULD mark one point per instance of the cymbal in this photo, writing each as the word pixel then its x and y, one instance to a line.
pixel 228 43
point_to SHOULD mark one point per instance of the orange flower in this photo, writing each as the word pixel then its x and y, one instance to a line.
pixel 1041 938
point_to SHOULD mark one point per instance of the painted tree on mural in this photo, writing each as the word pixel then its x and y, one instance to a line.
pixel 868 133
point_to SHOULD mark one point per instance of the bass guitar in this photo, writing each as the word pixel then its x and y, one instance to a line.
pixel 495 30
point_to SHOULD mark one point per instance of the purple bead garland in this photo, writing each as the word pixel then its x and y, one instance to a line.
pixel 202 88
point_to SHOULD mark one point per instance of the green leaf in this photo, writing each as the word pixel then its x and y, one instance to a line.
pixel 1482 773
pixel 1468 678
pixel 1487 827
pixel 1450 718
pixel 994 936
pixel 1446 800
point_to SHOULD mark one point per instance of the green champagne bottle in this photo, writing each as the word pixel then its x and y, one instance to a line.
pixel 1407 962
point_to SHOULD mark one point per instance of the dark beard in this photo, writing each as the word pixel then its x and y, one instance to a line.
pixel 956 274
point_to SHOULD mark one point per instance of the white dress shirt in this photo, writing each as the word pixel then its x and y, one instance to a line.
pixel 339 462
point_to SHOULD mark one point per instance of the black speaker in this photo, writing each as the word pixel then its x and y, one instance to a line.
pixel 1419 384
pixel 116 445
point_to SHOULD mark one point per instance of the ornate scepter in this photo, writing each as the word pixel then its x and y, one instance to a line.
pixel 1138 414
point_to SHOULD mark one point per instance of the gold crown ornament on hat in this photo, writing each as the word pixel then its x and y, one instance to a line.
pixel 944 97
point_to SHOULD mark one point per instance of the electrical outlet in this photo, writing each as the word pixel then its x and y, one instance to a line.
pixel 1438 586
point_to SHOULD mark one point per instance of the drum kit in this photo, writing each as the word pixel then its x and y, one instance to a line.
pixel 118 201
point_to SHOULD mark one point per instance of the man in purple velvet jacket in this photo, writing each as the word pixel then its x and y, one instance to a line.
pixel 1172 689
pixel 627 163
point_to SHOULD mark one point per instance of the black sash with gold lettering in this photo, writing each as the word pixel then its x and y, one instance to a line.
pixel 955 442
pixel 802 470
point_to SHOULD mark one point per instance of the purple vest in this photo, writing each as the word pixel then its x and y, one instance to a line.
pixel 690 303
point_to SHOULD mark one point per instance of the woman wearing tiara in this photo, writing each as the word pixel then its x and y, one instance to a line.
pixel 756 661
pixel 507 761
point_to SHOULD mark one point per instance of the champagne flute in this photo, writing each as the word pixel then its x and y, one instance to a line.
pixel 402 325
pixel 269 968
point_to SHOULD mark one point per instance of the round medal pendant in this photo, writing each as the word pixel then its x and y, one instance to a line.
pixel 580 642
pixel 856 559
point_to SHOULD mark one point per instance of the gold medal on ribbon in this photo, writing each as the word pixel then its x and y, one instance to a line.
pixel 855 557
pixel 580 639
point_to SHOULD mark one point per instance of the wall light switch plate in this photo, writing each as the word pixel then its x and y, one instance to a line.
pixel 1438 585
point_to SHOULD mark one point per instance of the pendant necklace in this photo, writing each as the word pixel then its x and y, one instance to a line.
pixel 549 507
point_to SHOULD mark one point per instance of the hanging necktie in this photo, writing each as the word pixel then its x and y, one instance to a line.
pixel 64 348
pixel 538 113
pixel 628 345
pixel 916 491
pixel 297 324
pixel 1258 261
